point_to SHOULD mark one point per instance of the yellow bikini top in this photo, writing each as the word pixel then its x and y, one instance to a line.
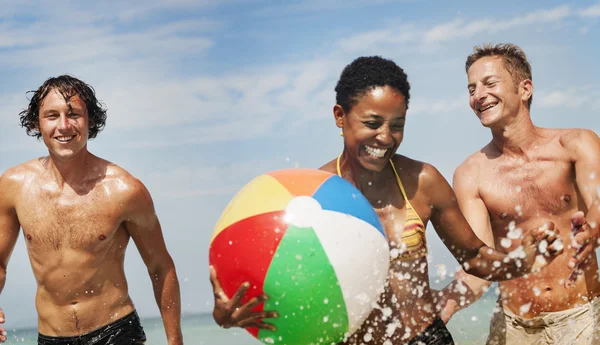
pixel 414 243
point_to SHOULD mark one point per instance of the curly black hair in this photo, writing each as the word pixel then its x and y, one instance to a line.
pixel 366 73
pixel 68 87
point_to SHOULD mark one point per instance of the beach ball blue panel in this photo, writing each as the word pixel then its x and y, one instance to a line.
pixel 337 194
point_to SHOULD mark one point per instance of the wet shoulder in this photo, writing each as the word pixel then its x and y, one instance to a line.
pixel 122 184
pixel 471 167
pixel 19 175
pixel 575 139
pixel 416 174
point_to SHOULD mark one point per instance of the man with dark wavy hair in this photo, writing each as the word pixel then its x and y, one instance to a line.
pixel 78 212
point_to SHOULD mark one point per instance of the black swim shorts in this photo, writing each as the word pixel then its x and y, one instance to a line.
pixel 125 331
pixel 434 334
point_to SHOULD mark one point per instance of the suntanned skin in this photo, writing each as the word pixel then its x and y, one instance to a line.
pixel 406 301
pixel 524 176
pixel 377 120
pixel 78 213
pixel 522 195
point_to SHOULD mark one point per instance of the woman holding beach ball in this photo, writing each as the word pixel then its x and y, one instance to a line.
pixel 372 102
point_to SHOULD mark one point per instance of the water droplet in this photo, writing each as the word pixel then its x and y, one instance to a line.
pixel 442 270
pixel 387 311
pixel 525 308
pixel 514 233
pixel 558 245
pixel 543 246
pixel 519 210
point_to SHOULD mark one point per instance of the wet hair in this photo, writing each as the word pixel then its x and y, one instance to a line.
pixel 513 56
pixel 366 73
pixel 68 87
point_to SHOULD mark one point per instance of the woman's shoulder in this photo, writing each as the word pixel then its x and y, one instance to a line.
pixel 413 167
pixel 330 167
pixel 423 174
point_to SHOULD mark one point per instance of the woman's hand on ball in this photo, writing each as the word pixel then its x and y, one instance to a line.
pixel 230 313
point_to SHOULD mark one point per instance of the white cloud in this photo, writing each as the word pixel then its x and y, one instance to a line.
pixel 369 40
pixel 460 28
pixel 570 98
pixel 66 46
pixel 457 28
pixel 144 9
pixel 308 6
pixel 592 11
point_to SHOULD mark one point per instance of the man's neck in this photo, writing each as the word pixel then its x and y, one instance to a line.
pixel 71 171
pixel 515 137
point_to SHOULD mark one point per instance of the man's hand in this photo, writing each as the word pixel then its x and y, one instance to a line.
pixel 583 240
pixel 2 331
pixel 445 307
pixel 456 296
pixel 230 313
pixel 541 246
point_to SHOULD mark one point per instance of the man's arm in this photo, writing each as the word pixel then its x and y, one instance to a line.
pixel 465 288
pixel 584 145
pixel 9 232
pixel 145 230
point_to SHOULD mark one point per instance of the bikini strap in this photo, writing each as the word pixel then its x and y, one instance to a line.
pixel 399 182
pixel 339 171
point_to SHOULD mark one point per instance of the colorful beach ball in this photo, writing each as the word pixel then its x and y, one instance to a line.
pixel 313 243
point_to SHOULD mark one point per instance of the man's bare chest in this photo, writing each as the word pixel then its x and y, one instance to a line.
pixel 528 190
pixel 68 222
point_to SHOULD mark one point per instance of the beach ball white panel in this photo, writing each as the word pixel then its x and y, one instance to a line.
pixel 360 256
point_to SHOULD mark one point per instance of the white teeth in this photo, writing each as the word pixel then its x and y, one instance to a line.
pixel 65 139
pixel 481 110
pixel 375 152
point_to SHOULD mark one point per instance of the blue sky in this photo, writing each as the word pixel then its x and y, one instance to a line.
pixel 203 96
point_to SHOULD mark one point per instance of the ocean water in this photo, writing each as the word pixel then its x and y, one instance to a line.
pixel 468 327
